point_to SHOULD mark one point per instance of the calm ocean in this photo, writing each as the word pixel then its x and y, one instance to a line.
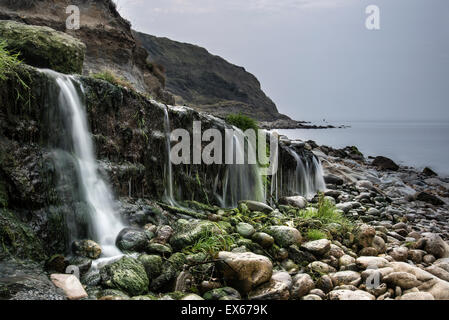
pixel 416 144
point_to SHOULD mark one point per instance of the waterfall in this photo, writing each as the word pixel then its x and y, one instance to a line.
pixel 104 222
pixel 242 180
pixel 168 178
pixel 307 178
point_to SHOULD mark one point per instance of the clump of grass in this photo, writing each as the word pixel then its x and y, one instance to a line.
pixel 315 234
pixel 111 77
pixel 326 212
pixel 8 62
pixel 242 122
pixel 210 243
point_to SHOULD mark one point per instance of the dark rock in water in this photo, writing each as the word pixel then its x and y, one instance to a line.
pixel 82 263
pixel 133 239
pixel 333 179
pixel 429 198
pixel 56 263
pixel 384 163
pixel 127 274
pixel 86 248
pixel 170 271
pixel 44 47
pixel 429 172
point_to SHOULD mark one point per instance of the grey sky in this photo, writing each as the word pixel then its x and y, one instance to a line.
pixel 315 58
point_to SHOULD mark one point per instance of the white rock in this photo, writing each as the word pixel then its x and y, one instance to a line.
pixel 70 285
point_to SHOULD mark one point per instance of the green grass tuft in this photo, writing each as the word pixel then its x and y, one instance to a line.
pixel 9 62
pixel 210 243
pixel 242 122
pixel 315 234
pixel 111 77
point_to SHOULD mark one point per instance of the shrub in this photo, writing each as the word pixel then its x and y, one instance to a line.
pixel 242 122
pixel 112 78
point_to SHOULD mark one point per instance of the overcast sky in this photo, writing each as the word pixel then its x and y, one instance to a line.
pixel 315 58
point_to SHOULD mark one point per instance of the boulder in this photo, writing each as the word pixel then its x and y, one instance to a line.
pixel 317 247
pixel 275 289
pixel 346 278
pixel 384 163
pixel 297 202
pixel 133 240
pixel 417 296
pixel 320 267
pixel 257 206
pixel 188 232
pixel 192 297
pixel 399 254
pixel 365 235
pixel 127 274
pixel 403 280
pixel 245 229
pixel 429 172
pixel 333 179
pixel 245 270
pixel 44 47
pixel 86 248
pixel 435 245
pixel 371 262
pixel 152 265
pixel 285 236
pixel 429 198
pixel 302 284
pixel 263 239
pixel 70 284
pixel 171 268
pixel 350 295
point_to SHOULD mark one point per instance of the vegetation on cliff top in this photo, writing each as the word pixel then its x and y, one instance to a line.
pixel 242 122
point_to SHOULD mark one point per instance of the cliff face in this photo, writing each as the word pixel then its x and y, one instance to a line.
pixel 207 82
pixel 107 36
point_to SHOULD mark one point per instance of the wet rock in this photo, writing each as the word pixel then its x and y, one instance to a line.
pixel 416 256
pixel 158 248
pixel 311 297
pixel 346 278
pixel 163 234
pixel 245 270
pixel 369 252
pixel 438 272
pixel 297 202
pixel 171 268
pixel 320 267
pixel 399 254
pixel 317 247
pixel 263 239
pixel 126 274
pixel 384 163
pixel 192 297
pixel 346 260
pixel 278 288
pixel 285 236
pixel 133 240
pixel 152 265
pixel 402 279
pixel 86 248
pixel 371 262
pixel 436 246
pixel 379 244
pixel 429 172
pixel 417 296
pixel 333 179
pixel 350 295
pixel 44 47
pixel 245 229
pixel 429 259
pixel 429 198
pixel 70 285
pixel 57 263
pixel 325 283
pixel 302 284
pixel 188 232
pixel 257 206
pixel 365 235
pixel 217 294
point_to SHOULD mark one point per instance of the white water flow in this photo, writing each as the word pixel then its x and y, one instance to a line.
pixel 242 180
pixel 169 197
pixel 106 224
pixel 308 177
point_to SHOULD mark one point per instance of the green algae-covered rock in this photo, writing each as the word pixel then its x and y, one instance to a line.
pixel 126 274
pixel 170 271
pixel 152 265
pixel 44 47
pixel 188 232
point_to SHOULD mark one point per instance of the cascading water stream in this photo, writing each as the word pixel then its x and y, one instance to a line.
pixel 169 196
pixel 105 223
pixel 242 180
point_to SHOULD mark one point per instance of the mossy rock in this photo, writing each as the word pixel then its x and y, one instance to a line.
pixel 17 239
pixel 3 195
pixel 127 275
pixel 188 232
pixel 44 47
pixel 152 265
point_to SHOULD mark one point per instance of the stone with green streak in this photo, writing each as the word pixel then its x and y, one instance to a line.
pixel 44 47
pixel 188 232
pixel 127 275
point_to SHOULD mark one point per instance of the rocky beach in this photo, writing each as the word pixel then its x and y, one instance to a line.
pixel 92 206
